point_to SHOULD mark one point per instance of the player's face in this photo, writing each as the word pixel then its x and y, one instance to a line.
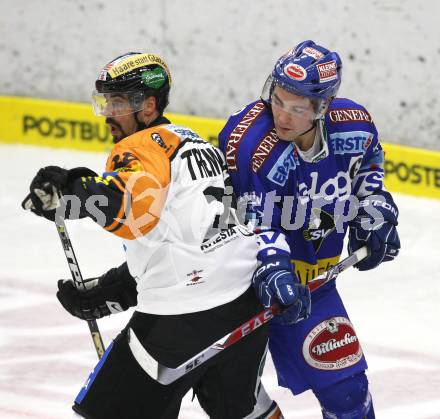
pixel 121 126
pixel 293 115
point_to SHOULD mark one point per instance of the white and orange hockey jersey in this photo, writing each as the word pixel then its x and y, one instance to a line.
pixel 168 197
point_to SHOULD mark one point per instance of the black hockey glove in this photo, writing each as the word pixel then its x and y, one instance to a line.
pixel 49 183
pixel 113 292
pixel 375 227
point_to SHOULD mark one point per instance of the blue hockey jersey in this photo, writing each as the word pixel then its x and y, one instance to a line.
pixel 309 203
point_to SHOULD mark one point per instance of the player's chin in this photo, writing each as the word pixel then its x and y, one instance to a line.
pixel 285 134
pixel 116 134
pixel 117 138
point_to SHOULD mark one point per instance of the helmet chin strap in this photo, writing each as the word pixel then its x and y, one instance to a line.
pixel 318 116
pixel 308 130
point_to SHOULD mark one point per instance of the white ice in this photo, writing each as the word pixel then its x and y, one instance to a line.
pixel 46 355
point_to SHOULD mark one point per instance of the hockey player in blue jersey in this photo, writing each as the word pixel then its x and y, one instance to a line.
pixel 308 166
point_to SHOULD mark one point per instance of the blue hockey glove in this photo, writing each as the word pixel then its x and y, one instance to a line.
pixel 275 282
pixel 375 227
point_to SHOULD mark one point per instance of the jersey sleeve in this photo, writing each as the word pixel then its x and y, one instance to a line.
pixel 127 200
pixel 264 211
pixel 369 177
pixel 258 205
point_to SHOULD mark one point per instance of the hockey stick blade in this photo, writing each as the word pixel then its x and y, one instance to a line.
pixel 166 375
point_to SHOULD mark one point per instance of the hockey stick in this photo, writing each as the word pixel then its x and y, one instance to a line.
pixel 165 375
pixel 78 279
pixel 74 269
pixel 341 266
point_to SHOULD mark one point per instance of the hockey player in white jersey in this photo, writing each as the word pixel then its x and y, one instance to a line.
pixel 189 261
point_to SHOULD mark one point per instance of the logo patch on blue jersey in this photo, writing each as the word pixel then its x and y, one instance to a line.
pixel 285 163
pixel 350 142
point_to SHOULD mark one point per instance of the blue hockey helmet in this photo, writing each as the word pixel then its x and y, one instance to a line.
pixel 308 70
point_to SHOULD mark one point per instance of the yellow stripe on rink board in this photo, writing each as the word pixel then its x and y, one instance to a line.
pixel 51 123
pixel 412 170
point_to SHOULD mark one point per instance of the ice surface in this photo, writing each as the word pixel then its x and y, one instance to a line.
pixel 46 355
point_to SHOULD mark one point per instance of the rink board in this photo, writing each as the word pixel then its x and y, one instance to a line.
pixel 57 124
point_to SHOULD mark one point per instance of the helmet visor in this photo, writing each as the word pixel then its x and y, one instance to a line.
pixel 117 103
pixel 282 99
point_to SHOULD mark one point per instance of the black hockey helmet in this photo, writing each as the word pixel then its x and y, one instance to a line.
pixel 135 75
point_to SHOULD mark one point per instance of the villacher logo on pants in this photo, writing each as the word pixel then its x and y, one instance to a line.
pixel 332 345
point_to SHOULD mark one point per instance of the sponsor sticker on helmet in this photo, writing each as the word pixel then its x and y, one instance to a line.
pixel 327 71
pixel 312 52
pixel 332 345
pixel 104 71
pixel 154 78
pixel 295 72
pixel 136 61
